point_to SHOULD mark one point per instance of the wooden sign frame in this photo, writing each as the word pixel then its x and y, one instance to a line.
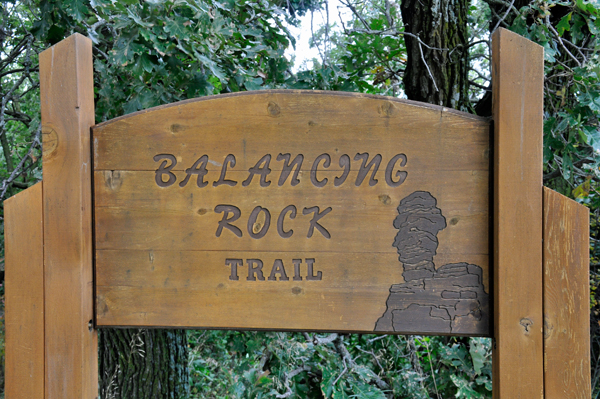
pixel 539 247
pixel 246 209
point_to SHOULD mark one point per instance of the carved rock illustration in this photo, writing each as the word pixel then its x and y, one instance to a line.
pixel 418 223
pixel 451 299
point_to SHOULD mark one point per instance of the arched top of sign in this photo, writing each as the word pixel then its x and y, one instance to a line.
pixel 294 210
pixel 286 92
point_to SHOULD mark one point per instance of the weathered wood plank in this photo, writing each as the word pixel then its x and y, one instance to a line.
pixel 566 298
pixel 67 102
pixel 24 293
pixel 283 121
pixel 517 68
pixel 392 246
pixel 193 293
pixel 132 212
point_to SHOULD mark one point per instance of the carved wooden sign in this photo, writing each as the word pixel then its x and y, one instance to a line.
pixel 291 210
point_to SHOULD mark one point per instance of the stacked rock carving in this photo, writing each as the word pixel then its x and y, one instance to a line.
pixel 450 299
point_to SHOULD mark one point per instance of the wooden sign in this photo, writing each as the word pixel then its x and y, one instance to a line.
pixel 294 210
pixel 290 210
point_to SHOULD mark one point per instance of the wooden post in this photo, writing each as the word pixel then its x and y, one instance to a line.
pixel 518 74
pixel 566 298
pixel 24 293
pixel 67 102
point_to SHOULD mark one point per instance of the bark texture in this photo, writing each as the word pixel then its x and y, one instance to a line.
pixel 437 76
pixel 143 364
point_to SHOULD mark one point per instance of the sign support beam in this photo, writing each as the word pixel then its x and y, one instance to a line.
pixel 24 293
pixel 67 103
pixel 566 298
pixel 518 76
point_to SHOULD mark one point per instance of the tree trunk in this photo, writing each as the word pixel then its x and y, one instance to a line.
pixel 143 364
pixel 437 76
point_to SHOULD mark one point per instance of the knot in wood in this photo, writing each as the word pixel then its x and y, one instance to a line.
pixel 526 323
pixel 385 199
pixel 273 109
pixel 49 141
pixel 386 109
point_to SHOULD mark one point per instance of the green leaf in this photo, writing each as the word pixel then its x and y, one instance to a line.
pixel 132 105
pixel 199 86
pixel 485 381
pixel 364 372
pixel 327 380
pixel 549 53
pixel 177 28
pixel 593 137
pixel 136 18
pixel 214 68
pixel 146 63
pixel 254 84
pixel 464 388
pixel 567 166
pixel 340 395
pixel 366 391
pixel 583 190
pixel 263 378
pixel 562 125
pixel 478 356
pixel 564 24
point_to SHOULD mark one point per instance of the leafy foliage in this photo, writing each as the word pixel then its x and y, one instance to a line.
pixel 152 53
pixel 19 106
pixel 368 54
pixel 267 365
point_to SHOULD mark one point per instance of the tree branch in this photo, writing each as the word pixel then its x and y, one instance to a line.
pixel 557 172
pixel 504 16
pixel 18 169
pixel 560 41
pixel 347 359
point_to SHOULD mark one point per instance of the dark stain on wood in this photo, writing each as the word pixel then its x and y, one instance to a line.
pixel 112 179
pixel 176 128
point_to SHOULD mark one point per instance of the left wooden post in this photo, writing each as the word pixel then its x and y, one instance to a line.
pixel 24 294
pixel 67 104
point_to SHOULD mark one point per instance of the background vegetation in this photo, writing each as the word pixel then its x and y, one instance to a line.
pixel 154 52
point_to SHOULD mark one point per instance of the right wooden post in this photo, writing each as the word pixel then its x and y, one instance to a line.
pixel 518 76
pixel 566 298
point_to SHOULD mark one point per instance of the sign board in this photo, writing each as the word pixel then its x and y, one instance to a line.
pixel 294 210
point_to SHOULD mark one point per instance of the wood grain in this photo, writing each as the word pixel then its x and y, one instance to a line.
pixel 144 222
pixel 24 293
pixel 191 289
pixel 566 298
pixel 316 122
pixel 134 214
pixel 517 289
pixel 67 102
